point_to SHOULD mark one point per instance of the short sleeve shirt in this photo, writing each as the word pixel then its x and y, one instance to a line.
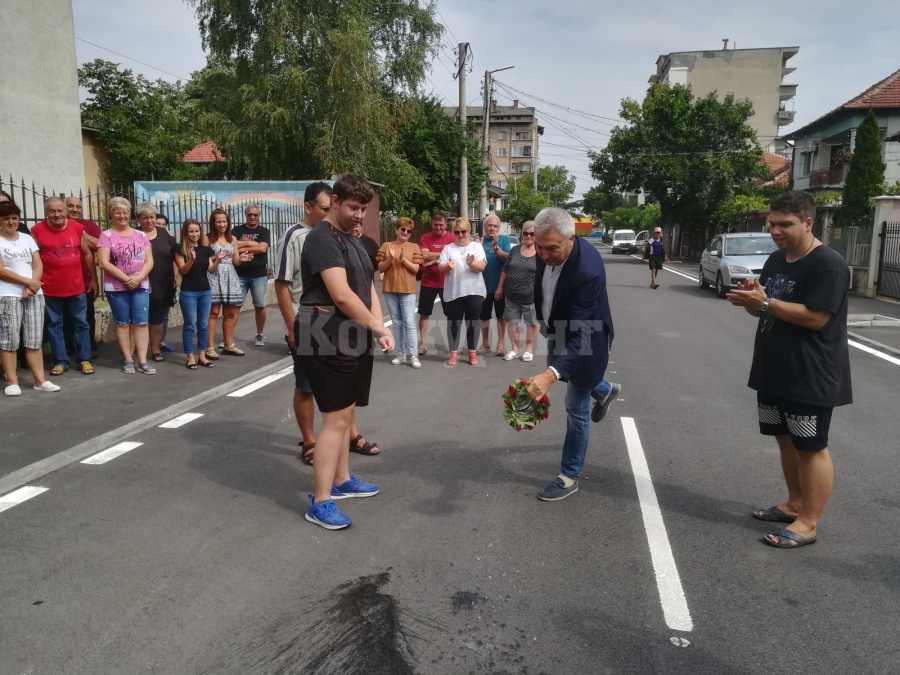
pixel 259 266
pixel 494 265
pixel 61 258
pixel 327 247
pixel 18 258
pixel 431 275
pixel 462 280
pixel 127 254
pixel 796 363
pixel 287 260
pixel 162 276
pixel 398 278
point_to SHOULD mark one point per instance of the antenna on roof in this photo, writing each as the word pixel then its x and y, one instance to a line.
pixel 724 43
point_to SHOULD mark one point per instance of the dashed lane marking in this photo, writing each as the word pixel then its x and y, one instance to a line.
pixel 18 496
pixel 668 583
pixel 874 352
pixel 112 453
pixel 259 384
pixel 180 421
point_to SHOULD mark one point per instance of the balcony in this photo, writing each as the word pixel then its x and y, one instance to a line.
pixel 831 177
pixel 785 117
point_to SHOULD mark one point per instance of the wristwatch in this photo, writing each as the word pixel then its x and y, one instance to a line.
pixel 764 305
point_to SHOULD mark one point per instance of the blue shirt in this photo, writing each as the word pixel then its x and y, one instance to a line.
pixel 656 248
pixel 494 267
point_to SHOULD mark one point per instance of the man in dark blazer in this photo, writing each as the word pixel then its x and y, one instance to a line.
pixel 573 310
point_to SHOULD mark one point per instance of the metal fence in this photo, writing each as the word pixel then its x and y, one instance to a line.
pixel 889 261
pixel 95 207
pixel 853 242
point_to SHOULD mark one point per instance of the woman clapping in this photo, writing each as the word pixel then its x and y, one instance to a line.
pixel 399 261
pixel 462 262
pixel 196 260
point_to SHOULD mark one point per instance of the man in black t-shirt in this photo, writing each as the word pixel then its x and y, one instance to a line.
pixel 338 315
pixel 801 361
pixel 253 271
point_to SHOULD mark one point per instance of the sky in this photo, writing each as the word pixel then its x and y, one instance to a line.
pixel 585 55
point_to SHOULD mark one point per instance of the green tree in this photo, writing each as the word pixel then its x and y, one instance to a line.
pixel 865 178
pixel 145 126
pixel 635 218
pixel 556 183
pixel 689 154
pixel 523 203
pixel 299 88
pixel 598 199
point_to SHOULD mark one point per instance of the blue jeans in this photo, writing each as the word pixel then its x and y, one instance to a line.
pixel 578 410
pixel 257 288
pixel 74 308
pixel 402 307
pixel 195 310
pixel 130 306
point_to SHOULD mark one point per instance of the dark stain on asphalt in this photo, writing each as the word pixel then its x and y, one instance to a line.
pixel 38 602
pixel 464 600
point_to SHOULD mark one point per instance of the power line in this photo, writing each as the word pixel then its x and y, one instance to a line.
pixel 562 107
pixel 443 95
pixel 180 77
pixel 446 24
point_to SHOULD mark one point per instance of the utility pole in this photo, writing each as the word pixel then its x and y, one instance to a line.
pixel 482 205
pixel 463 52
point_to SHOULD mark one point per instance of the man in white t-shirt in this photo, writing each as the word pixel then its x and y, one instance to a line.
pixel 21 302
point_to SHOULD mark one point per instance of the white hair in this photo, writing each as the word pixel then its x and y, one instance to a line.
pixel 494 216
pixel 554 218
pixel 251 206
pixel 145 209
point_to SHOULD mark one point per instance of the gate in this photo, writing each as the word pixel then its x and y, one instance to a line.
pixel 889 261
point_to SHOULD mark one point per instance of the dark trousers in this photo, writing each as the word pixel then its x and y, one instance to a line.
pixel 467 307
pixel 69 328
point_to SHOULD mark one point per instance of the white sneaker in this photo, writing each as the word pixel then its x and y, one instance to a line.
pixel 13 390
pixel 47 386
pixel 397 360
pixel 414 361
pixel 260 341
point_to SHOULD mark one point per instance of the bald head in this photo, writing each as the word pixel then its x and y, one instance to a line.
pixel 74 208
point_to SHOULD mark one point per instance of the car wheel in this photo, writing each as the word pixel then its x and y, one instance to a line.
pixel 704 284
pixel 721 290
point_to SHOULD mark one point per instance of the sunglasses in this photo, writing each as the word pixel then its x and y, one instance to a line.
pixel 404 230
pixel 528 234
pixel 460 232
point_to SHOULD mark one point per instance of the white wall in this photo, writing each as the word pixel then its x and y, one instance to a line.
pixel 40 133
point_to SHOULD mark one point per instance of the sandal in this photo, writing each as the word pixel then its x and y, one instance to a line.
pixel 206 364
pixel 510 355
pixel 794 539
pixel 147 369
pixel 527 356
pixel 157 357
pixel 212 355
pixel 128 368
pixel 58 369
pixel 306 453
pixel 774 515
pixel 366 449
pixel 191 366
pixel 86 368
pixel 231 351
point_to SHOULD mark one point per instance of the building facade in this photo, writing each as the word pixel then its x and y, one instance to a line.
pixel 41 130
pixel 755 74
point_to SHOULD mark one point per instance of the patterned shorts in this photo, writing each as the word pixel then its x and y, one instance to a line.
pixel 21 316
pixel 807 425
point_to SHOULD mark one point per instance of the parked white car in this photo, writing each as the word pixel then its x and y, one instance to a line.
pixel 624 241
pixel 730 258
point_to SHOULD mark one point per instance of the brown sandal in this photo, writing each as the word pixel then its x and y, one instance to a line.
pixel 366 448
pixel 306 453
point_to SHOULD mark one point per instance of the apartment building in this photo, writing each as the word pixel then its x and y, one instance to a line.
pixel 513 138
pixel 755 74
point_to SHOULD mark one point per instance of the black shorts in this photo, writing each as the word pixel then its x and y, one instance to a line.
pixel 338 380
pixel 427 294
pixel 656 262
pixel 301 382
pixel 491 306
pixel 807 425
pixel 159 312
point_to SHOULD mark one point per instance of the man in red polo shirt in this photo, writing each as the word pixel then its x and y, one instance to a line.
pixel 75 212
pixel 64 250
pixel 431 243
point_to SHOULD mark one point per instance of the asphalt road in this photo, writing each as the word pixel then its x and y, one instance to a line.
pixel 189 553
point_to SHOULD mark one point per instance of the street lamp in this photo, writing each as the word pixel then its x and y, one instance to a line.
pixel 482 204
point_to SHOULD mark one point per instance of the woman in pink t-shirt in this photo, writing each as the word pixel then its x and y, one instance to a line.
pixel 126 259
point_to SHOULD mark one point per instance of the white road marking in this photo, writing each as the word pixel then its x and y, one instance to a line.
pixel 671 593
pixel 249 389
pixel 180 421
pixel 669 269
pixel 112 453
pixel 16 497
pixel 874 352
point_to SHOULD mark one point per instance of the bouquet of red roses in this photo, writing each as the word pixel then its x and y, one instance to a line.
pixel 522 411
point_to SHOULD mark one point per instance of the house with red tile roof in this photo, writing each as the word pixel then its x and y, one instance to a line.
pixel 823 148
pixel 205 153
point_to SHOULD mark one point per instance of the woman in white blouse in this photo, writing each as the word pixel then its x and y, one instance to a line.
pixel 462 263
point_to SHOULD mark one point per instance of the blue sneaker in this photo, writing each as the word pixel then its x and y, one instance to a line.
pixel 353 488
pixel 557 490
pixel 327 514
pixel 601 406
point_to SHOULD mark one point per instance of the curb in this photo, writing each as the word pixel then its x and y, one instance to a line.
pixel 874 344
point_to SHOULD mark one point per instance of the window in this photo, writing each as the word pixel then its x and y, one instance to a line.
pixel 501 184
pixel 501 152
pixel 522 136
pixel 501 168
pixel 521 151
pixel 501 136
pixel 808 162
pixel 521 168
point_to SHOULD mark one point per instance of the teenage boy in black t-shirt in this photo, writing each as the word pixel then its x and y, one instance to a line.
pixel 801 361
pixel 338 315
pixel 253 271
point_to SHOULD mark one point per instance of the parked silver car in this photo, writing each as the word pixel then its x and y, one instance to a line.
pixel 730 258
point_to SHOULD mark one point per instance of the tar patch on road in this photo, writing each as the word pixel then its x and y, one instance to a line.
pixel 464 600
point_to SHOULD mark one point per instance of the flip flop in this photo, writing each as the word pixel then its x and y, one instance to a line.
pixel 773 515
pixel 784 533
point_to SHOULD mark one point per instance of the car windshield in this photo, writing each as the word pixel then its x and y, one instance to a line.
pixel 761 245
pixel 623 236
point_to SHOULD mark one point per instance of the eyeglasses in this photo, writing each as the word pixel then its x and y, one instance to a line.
pixel 528 234
pixel 460 232
pixel 404 230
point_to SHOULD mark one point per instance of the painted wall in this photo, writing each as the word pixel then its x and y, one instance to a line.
pixel 41 129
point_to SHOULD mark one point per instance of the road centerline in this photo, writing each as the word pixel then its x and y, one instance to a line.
pixel 16 497
pixel 668 582
pixel 259 384
pixel 180 421
pixel 112 453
